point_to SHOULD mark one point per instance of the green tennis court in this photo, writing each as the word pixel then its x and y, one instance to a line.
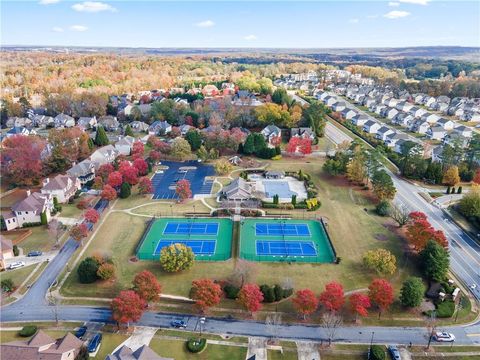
pixel 285 240
pixel 210 239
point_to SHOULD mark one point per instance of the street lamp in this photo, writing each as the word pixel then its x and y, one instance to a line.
pixel 371 344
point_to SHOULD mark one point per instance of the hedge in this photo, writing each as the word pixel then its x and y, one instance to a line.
pixel 196 345
pixel 28 331
pixel 445 309
pixel 231 291
pixel 377 352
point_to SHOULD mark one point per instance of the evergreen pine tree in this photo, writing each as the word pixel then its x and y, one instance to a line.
pixel 101 138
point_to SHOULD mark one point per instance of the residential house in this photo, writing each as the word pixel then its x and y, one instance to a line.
pixel 87 122
pixel 378 109
pixel 437 154
pixel 6 251
pixel 139 126
pixel 369 101
pixel 464 131
pixel 418 98
pixel 19 131
pixel 430 118
pixel 330 100
pixel 439 106
pixel 338 106
pixel 108 122
pixel 383 132
pixel 62 187
pixel 29 210
pixel 348 113
pixel 210 90
pixel 159 128
pixel 84 171
pixel 124 145
pixel 43 121
pixel 19 122
pixel 105 155
pixel 143 108
pixel 403 119
pixel 371 127
pixel 391 102
pixel 274 175
pixel 360 119
pixel 404 106
pixel 419 126
pixel 142 353
pixel 471 116
pixel 436 132
pixel 417 112
pixel 238 190
pixel 398 147
pixel 303 132
pixel 392 139
pixel 390 113
pixel 64 121
pixel 445 123
pixel 455 139
pixel 42 347
pixel 271 133
pixel 185 128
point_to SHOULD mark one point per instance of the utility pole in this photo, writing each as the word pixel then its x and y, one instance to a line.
pixel 371 344
pixel 432 319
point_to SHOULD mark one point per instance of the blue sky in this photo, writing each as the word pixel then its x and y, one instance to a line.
pixel 283 24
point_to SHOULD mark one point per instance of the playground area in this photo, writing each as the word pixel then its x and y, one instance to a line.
pixel 278 240
pixel 210 239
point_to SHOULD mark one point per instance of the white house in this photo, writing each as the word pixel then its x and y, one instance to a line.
pixel 348 113
pixel 383 132
pixel 84 171
pixel 392 139
pixel 339 106
pixel 29 210
pixel 464 131
pixel 360 119
pixel 371 127
pixel 87 122
pixel 159 127
pixel 445 123
pixel 125 144
pixel 436 132
pixel 303 132
pixel 105 155
pixel 330 100
pixel 430 118
pixel 419 126
pixel 390 113
pixel 19 131
pixel 63 120
pixel 139 126
pixel 417 112
pixel 62 187
pixel 271 133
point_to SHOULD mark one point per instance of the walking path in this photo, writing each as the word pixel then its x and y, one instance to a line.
pixel 307 350
pixel 258 347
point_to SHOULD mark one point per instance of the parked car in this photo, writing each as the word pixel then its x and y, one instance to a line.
pixel 16 265
pixel 34 253
pixel 178 324
pixel 94 343
pixel 443 337
pixel 81 332
pixel 395 354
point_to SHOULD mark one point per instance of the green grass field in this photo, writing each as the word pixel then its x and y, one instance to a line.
pixel 148 249
pixel 251 237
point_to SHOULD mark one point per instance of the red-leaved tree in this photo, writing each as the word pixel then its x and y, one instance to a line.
pixel 138 148
pixel 108 193
pixel 206 293
pixel 97 183
pixel 145 186
pixel 380 293
pixel 141 166
pixel 115 179
pixel 79 232
pixel 476 178
pixel 146 285
pixel 250 297
pixel 104 171
pixel 359 304
pixel 305 302
pixel 333 297
pixel 154 155
pixel 129 172
pixel 299 145
pixel 419 231
pixel 127 307
pixel 91 215
pixel 183 190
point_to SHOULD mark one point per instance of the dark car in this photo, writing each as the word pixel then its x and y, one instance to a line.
pixel 178 324
pixel 34 253
pixel 81 332
pixel 94 343
pixel 393 350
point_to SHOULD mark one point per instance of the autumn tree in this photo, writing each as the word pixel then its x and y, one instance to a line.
pixel 206 293
pixel 451 176
pixel 271 113
pixel 138 148
pixel 359 304
pixel 305 302
pixel 299 145
pixel 108 193
pixel 115 179
pixel 141 165
pixel 154 156
pixel 380 293
pixel 145 186
pixel 106 271
pixel 469 204
pixel 420 231
pixel 383 186
pixel 79 232
pixel 97 183
pixel 223 167
pixel 382 261
pixel 67 146
pixel 250 297
pixel 332 298
pixel 91 215
pixel 127 307
pixel 104 171
pixel 129 172
pixel 356 167
pixel 180 148
pixel 21 159
pixel 183 190
pixel 146 285
pixel 176 257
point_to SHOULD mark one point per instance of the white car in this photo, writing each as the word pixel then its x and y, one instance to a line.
pixel 444 337
pixel 16 265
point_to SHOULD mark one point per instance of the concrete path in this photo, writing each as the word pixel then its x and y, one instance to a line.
pixel 307 350
pixel 68 220
pixel 32 260
pixel 447 200
pixel 142 335
pixel 258 347
pixel 405 354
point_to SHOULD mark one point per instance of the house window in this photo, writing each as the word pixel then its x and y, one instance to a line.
pixel 8 221
pixel 26 212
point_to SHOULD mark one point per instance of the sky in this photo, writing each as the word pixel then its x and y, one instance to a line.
pixel 242 23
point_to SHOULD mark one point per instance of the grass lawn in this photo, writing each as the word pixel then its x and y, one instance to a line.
pixel 325 356
pixel 38 240
pixel 18 275
pixel 71 210
pixel 160 208
pixel 277 355
pixel 177 349
pixel 109 343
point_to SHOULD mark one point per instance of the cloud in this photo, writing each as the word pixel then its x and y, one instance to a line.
pixel 93 7
pixel 354 21
pixel 396 14
pixel 415 2
pixel 205 24
pixel 393 3
pixel 250 37
pixel 48 2
pixel 372 16
pixel 57 29
pixel 78 28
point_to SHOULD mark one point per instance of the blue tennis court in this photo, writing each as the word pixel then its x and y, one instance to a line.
pixel 199 247
pixel 194 228
pixel 281 229
pixel 286 248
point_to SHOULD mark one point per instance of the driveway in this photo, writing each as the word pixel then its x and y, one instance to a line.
pixel 258 347
pixel 141 335
pixel 307 350
pixel 50 255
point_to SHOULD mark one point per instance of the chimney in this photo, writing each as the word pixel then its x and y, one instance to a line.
pixel 29 192
pixel 46 181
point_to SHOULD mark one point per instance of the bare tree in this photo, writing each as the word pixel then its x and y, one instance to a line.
pixel 273 322
pixel 399 213
pixel 55 230
pixel 244 272
pixel 331 322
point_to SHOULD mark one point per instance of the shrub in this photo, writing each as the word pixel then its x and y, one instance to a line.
pixel 278 292
pixel 43 218
pixel 459 190
pixel 28 331
pixel 106 271
pixel 383 208
pixel 231 291
pixel 87 270
pixel 267 205
pixel 268 293
pixel 16 252
pixel 125 190
pixel 7 285
pixel 445 309
pixel 196 345
pixel 377 352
